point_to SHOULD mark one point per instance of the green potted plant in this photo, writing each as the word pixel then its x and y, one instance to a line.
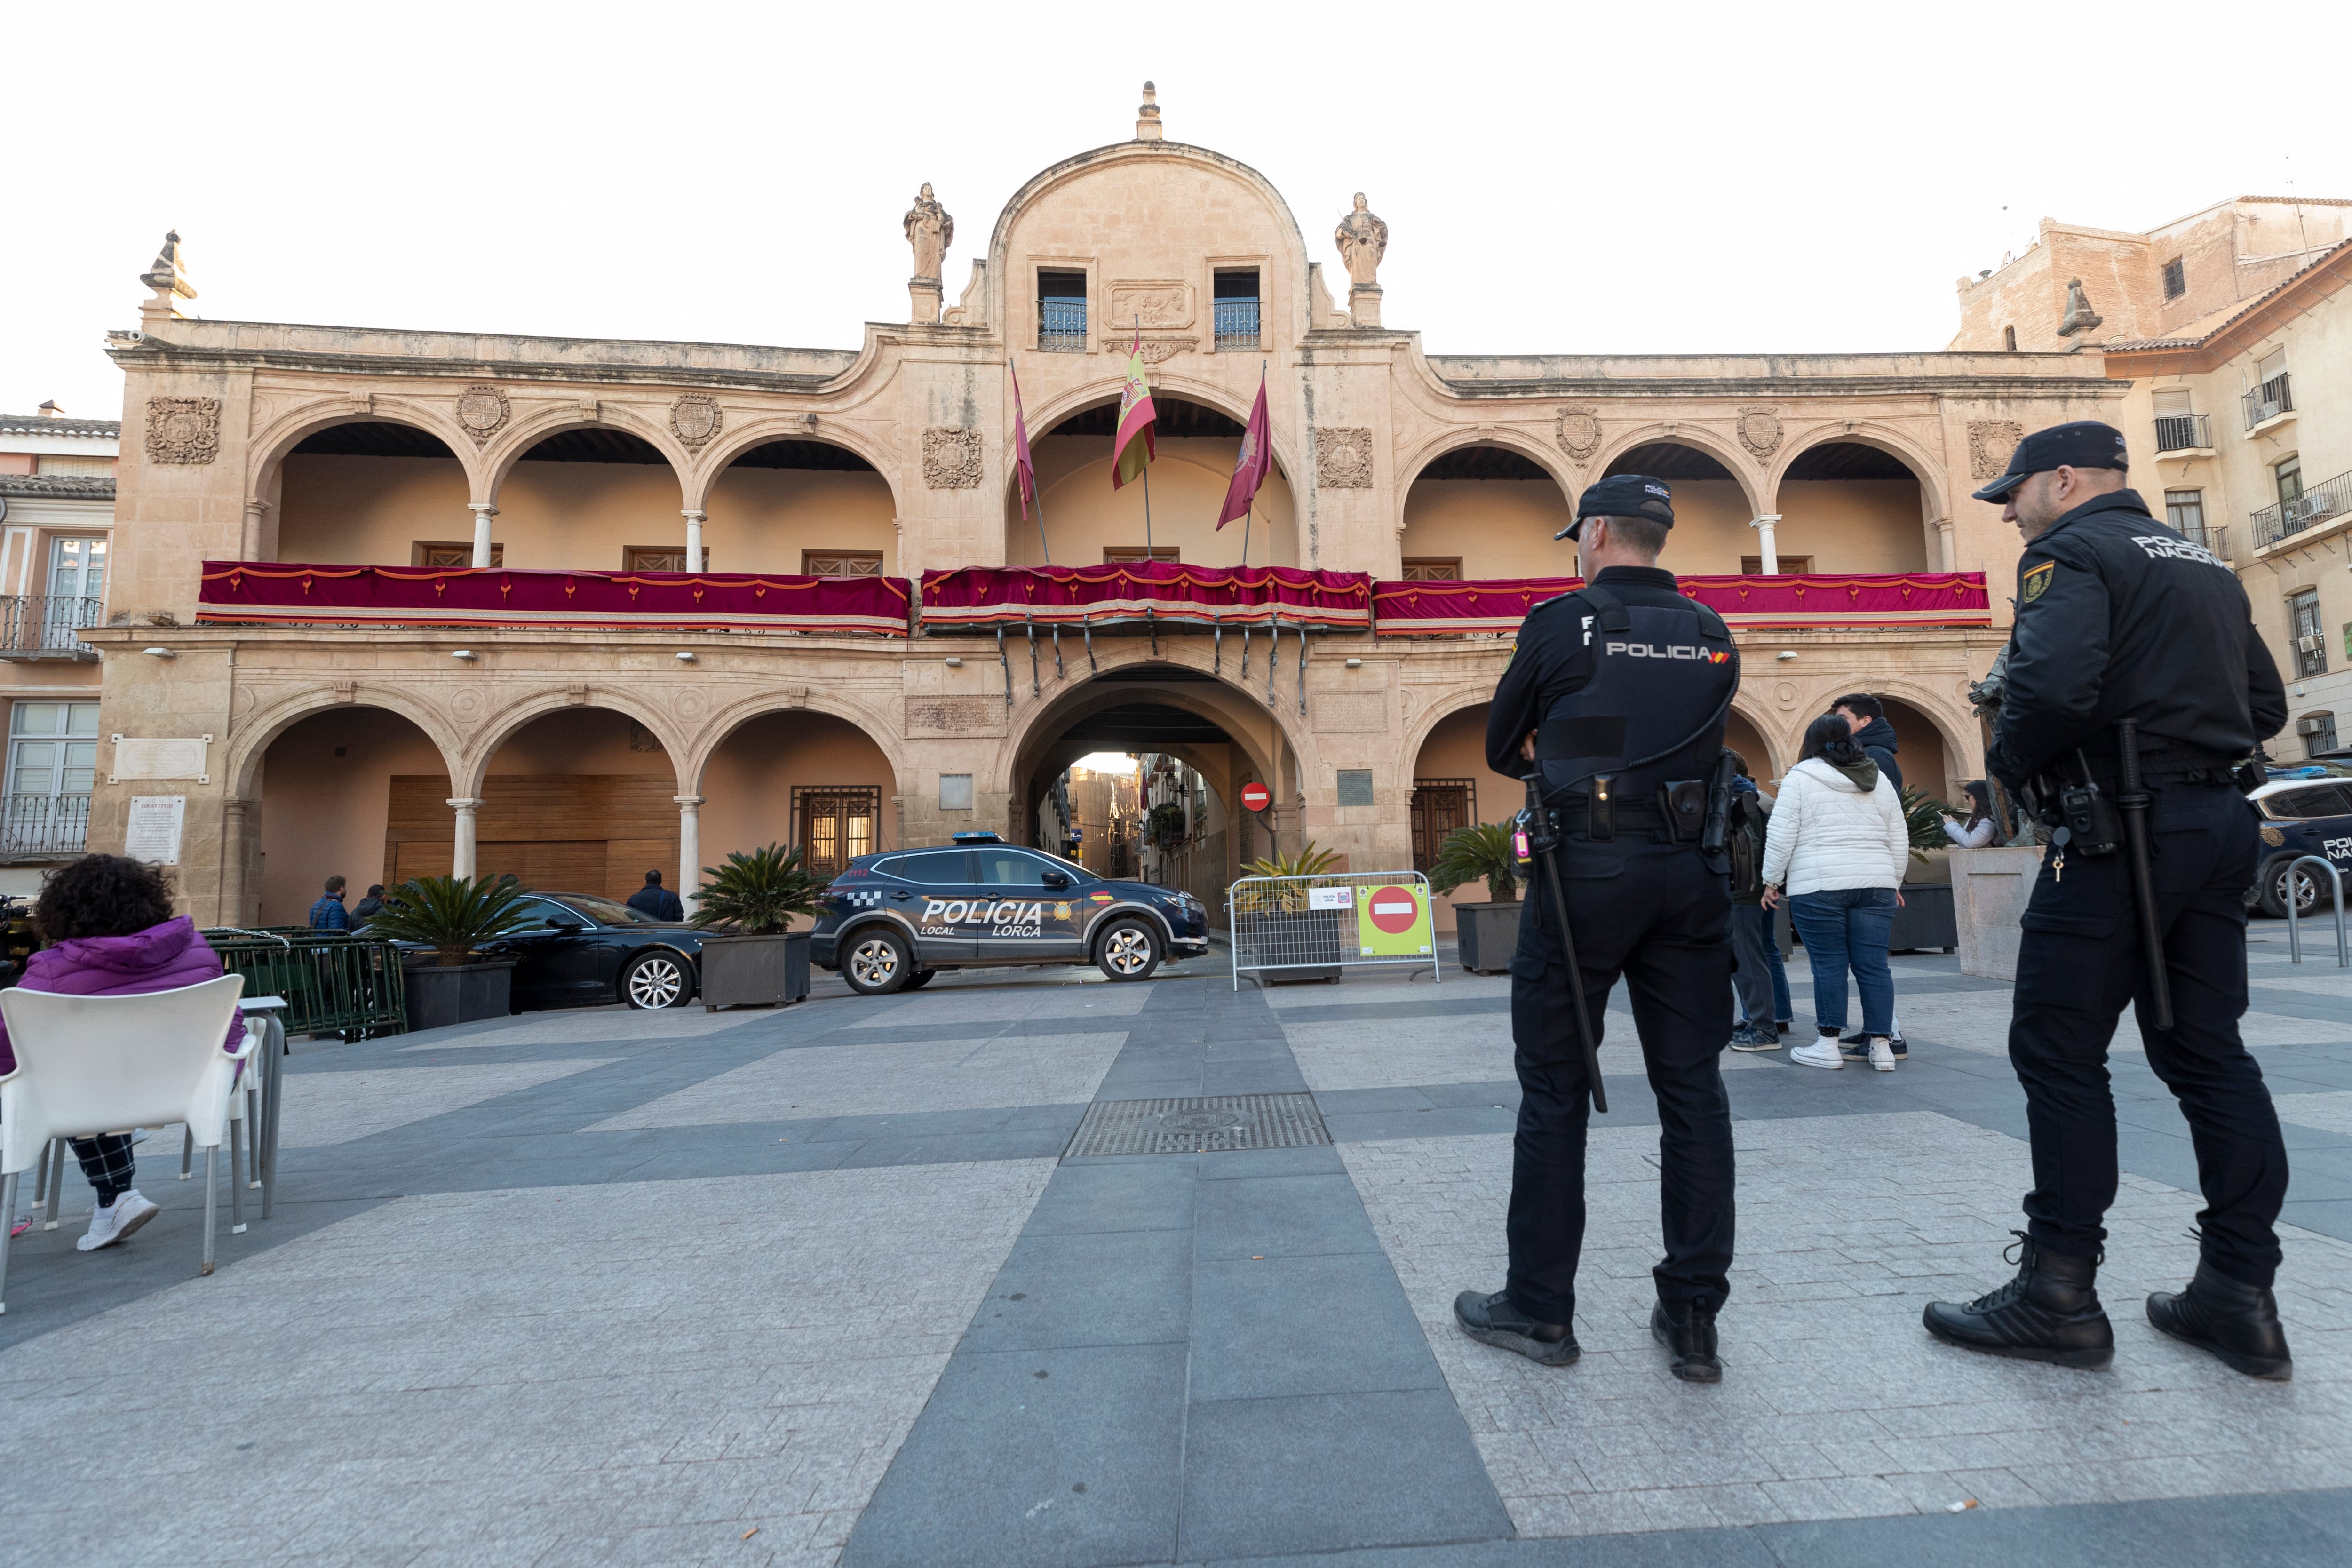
pixel 1165 825
pixel 1276 923
pixel 757 960
pixel 1486 933
pixel 454 918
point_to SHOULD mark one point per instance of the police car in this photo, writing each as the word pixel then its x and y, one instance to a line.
pixel 892 920
pixel 2308 812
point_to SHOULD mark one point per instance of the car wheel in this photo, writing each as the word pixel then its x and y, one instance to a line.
pixel 1129 950
pixel 2272 890
pixel 657 979
pixel 917 982
pixel 877 962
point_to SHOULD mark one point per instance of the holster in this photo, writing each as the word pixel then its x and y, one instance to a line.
pixel 1683 801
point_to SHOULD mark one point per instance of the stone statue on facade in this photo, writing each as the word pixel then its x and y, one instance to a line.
pixel 931 231
pixel 1363 239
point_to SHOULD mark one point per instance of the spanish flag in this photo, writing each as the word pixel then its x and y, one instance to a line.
pixel 1133 448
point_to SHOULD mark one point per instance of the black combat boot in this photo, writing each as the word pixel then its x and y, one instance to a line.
pixel 2049 1312
pixel 2240 1324
pixel 1689 1339
pixel 1492 1319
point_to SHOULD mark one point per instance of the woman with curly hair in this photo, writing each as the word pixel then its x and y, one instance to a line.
pixel 111 932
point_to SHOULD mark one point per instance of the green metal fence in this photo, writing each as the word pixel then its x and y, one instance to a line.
pixel 331 982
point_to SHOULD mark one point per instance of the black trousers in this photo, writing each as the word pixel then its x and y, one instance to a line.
pixel 2080 962
pixel 1656 914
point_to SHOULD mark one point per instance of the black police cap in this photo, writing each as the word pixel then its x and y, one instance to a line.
pixel 2084 444
pixel 1624 495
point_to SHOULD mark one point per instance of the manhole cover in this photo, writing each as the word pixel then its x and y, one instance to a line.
pixel 1199 1126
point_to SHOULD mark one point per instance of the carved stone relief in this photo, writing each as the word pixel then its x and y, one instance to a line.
pixel 942 716
pixel 695 418
pixel 1350 713
pixel 1759 431
pixel 183 429
pixel 1343 457
pixel 1159 305
pixel 483 412
pixel 1579 432
pixel 951 458
pixel 1155 351
pixel 1991 441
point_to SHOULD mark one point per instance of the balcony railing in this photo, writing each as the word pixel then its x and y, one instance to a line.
pixel 2215 539
pixel 2268 401
pixel 2182 432
pixel 1062 326
pixel 42 626
pixel 1237 324
pixel 44 825
pixel 2313 507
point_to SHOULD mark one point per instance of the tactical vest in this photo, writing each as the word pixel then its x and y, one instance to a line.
pixel 1655 708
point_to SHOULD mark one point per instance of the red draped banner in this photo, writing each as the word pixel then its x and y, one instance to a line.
pixel 1124 589
pixel 1499 604
pixel 272 593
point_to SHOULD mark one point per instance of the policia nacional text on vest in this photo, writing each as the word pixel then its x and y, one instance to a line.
pixel 1624 687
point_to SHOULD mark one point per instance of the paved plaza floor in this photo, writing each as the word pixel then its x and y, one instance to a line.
pixel 841 1282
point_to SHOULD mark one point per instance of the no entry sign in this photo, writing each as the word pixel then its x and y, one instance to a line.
pixel 1393 922
pixel 1394 910
pixel 1256 797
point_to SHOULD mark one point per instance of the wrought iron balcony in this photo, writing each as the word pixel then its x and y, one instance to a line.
pixel 2215 539
pixel 1062 326
pixel 42 626
pixel 2313 507
pixel 2182 432
pixel 41 826
pixel 1237 324
pixel 2268 401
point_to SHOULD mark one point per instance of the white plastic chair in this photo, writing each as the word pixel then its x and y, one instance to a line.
pixel 88 1065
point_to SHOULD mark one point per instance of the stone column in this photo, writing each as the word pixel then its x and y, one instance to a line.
pixel 923 300
pixel 461 860
pixel 689 850
pixel 1765 545
pixel 1364 304
pixel 694 522
pixel 232 870
pixel 249 544
pixel 483 511
pixel 1947 546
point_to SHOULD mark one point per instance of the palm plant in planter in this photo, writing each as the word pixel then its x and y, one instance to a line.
pixel 1485 933
pixel 1276 925
pixel 453 916
pixel 757 960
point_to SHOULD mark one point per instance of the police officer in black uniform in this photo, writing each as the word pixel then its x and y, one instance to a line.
pixel 2120 619
pixel 1616 692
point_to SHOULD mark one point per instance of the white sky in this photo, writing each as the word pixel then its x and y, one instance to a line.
pixel 1556 178
pixel 1107 762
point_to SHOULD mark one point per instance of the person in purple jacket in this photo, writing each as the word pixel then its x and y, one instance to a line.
pixel 111 934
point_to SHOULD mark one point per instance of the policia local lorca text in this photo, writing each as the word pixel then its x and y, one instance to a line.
pixel 2128 711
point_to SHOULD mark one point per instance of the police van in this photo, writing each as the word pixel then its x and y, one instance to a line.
pixel 2306 812
pixel 894 920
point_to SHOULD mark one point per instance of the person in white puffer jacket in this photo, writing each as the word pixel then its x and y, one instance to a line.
pixel 1836 850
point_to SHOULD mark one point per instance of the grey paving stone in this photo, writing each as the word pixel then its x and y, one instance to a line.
pixel 1293 1325
pixel 1146 1192
pixel 1131 1287
pixel 1243 1164
pixel 1281 1217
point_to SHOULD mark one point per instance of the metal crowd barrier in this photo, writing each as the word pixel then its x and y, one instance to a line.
pixel 2294 902
pixel 333 983
pixel 1296 925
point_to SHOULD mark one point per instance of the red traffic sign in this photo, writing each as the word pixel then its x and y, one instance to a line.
pixel 1256 797
pixel 1393 909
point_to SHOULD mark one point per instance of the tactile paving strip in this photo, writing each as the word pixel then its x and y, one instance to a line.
pixel 1214 1125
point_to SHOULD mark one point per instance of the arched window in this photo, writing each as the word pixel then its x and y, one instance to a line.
pixel 2009 339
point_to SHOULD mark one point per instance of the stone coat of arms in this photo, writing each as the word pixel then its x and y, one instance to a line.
pixel 695 418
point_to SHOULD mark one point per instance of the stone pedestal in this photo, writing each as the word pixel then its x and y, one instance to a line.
pixel 1990 889
pixel 923 300
pixel 1364 304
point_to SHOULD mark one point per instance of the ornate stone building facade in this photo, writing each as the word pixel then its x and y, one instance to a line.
pixel 577 756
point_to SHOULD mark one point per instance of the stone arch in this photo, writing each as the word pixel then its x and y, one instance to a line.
pixel 1434 709
pixel 1207 394
pixel 1778 754
pixel 1699 438
pixel 250 738
pixel 1892 442
pixel 474 757
pixel 269 448
pixel 1537 452
pixel 515 443
pixel 717 457
pixel 715 730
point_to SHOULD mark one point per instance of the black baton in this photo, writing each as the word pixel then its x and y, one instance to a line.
pixel 2133 799
pixel 1544 843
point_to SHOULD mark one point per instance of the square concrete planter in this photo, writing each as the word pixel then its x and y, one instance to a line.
pixel 1926 919
pixel 1486 935
pixel 442 994
pixel 1990 889
pixel 754 971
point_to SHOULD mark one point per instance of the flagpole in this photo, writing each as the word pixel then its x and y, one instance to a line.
pixel 1044 552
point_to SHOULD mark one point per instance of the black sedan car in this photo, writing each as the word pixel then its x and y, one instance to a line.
pixel 576 950
pixel 892 920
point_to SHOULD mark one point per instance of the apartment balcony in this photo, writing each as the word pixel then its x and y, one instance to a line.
pixel 43 827
pixel 2216 540
pixel 2273 400
pixel 2307 511
pixel 2183 432
pixel 1237 324
pixel 42 626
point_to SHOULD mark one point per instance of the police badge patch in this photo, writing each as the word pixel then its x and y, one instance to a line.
pixel 2037 581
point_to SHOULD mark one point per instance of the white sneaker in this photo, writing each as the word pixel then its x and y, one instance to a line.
pixel 1882 1053
pixel 1822 1053
pixel 108 1225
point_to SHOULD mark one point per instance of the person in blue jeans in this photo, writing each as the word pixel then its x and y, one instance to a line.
pixel 1837 848
pixel 1758 977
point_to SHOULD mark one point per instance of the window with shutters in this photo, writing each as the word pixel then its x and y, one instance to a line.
pixel 658 558
pixel 841 563
pixel 2176 280
pixel 2310 642
pixel 835 824
pixel 1062 311
pixel 447 553
pixel 1432 568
